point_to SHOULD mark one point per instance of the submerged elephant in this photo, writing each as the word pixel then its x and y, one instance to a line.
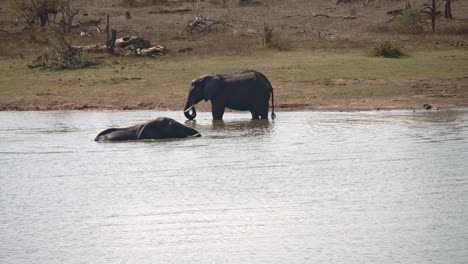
pixel 244 91
pixel 159 128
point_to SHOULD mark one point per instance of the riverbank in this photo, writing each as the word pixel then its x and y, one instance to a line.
pixel 303 79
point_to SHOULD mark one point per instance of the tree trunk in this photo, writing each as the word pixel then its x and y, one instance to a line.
pixel 448 9
pixel 70 22
pixel 43 17
pixel 433 14
pixel 112 41
pixel 62 23
pixel 107 29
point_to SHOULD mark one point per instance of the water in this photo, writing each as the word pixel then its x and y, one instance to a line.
pixel 310 187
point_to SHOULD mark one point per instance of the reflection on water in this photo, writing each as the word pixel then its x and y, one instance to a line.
pixel 236 128
pixel 309 187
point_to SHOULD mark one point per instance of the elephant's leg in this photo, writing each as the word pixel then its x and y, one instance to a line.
pixel 218 115
pixel 264 113
pixel 260 111
pixel 217 110
pixel 255 114
pixel 264 107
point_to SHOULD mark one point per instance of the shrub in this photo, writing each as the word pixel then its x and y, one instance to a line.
pixel 61 55
pixel 268 36
pixel 387 50
pixel 59 60
pixel 409 21
pixel 128 3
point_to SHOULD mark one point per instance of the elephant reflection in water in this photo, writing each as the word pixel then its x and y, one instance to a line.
pixel 160 128
pixel 250 128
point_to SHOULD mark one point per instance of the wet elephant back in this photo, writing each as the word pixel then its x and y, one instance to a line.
pixel 151 129
pixel 119 134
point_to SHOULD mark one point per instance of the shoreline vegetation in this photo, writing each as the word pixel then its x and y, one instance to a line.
pixel 318 55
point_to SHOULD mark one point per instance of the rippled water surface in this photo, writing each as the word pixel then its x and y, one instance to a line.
pixel 310 187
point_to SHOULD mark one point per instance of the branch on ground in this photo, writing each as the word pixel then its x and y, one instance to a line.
pixel 203 24
pixel 328 16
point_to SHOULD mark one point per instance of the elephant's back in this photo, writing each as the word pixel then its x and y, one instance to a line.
pixel 118 134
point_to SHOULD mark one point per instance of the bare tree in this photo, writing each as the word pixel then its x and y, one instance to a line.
pixel 67 13
pixel 34 10
pixel 433 9
pixel 448 9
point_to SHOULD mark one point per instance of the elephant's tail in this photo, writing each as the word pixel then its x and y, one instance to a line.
pixel 273 115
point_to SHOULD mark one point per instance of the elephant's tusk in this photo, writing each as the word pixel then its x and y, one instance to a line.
pixel 188 109
pixel 196 135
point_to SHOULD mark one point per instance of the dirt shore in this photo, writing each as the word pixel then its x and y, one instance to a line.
pixel 438 93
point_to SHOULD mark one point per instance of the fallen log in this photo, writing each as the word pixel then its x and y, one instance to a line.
pixel 127 46
pixel 203 24
pixel 152 51
pixel 395 12
pixel 328 16
pixel 165 11
pixel 135 41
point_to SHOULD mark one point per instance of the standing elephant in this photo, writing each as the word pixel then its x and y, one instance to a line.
pixel 159 128
pixel 244 91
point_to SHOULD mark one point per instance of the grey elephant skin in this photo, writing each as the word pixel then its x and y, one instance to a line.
pixel 244 91
pixel 159 128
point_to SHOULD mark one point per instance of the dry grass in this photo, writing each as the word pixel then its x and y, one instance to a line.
pixel 321 62
pixel 295 22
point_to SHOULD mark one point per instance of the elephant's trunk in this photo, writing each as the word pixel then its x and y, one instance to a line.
pixel 190 108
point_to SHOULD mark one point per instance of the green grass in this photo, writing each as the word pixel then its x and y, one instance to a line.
pixel 295 75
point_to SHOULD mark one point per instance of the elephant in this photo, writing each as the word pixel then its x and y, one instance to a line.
pixel 159 128
pixel 245 91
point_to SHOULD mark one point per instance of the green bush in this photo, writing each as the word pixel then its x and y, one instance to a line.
pixel 83 59
pixel 409 21
pixel 268 36
pixel 387 50
pixel 128 3
pixel 62 60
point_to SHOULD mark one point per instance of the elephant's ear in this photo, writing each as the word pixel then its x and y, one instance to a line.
pixel 211 87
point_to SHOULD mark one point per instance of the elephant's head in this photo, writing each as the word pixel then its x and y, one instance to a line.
pixel 203 88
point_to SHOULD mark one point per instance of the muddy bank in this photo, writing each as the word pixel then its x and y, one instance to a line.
pixel 46 103
pixel 332 94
